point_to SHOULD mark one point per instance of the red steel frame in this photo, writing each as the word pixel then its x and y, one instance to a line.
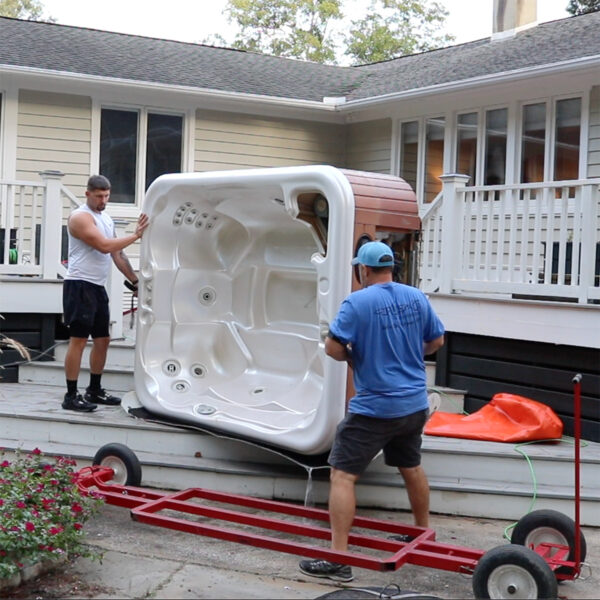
pixel 146 504
pixel 423 550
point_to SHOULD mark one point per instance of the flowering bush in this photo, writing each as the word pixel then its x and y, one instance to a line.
pixel 41 511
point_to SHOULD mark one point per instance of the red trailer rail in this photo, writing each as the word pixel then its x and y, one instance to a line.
pixel 547 545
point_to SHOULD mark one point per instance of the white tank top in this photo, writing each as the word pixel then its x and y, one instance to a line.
pixel 85 262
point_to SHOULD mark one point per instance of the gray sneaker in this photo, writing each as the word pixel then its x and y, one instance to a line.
pixel 324 568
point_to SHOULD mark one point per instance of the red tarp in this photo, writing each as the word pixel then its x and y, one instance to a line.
pixel 505 418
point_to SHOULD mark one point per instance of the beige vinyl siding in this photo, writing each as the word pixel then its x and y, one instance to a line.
pixel 54 132
pixel 237 141
pixel 369 146
pixel 594 137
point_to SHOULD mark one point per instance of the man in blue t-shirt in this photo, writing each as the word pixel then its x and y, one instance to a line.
pixel 384 332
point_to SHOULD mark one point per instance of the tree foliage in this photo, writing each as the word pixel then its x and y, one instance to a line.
pixel 292 28
pixel 582 7
pixel 395 28
pixel 31 10
pixel 305 29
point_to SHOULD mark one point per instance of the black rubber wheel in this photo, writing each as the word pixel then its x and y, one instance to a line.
pixel 549 526
pixel 513 571
pixel 123 461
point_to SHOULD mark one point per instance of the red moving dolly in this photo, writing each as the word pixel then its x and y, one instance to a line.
pixel 547 546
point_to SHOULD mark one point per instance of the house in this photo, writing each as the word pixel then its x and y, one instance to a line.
pixel 499 138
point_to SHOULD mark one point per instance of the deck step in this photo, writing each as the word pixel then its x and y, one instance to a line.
pixel 467 477
pixel 115 379
pixel 121 353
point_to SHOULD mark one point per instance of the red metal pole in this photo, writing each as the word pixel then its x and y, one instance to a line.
pixel 577 435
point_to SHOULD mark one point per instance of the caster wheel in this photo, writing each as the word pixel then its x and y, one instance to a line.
pixel 513 571
pixel 123 461
pixel 552 527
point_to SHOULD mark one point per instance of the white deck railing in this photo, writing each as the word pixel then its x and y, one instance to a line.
pixel 529 240
pixel 33 218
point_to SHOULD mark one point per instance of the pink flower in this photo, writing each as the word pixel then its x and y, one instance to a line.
pixel 1 502
pixel 76 508
pixel 5 463
pixel 77 526
pixel 29 526
pixel 20 504
pixel 36 451
pixel 56 530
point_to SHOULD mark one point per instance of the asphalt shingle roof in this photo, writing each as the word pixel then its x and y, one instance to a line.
pixel 84 51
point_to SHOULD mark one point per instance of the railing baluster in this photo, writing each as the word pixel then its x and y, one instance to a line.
pixel 500 234
pixel 548 195
pixel 524 230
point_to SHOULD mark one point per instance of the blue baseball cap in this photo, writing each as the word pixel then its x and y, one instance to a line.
pixel 374 254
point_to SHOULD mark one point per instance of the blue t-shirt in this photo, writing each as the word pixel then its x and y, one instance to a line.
pixel 387 324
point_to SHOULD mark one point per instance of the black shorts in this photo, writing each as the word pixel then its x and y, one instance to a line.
pixel 359 438
pixel 85 309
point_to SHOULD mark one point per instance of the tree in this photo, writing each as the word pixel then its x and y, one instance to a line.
pixel 30 10
pixel 306 28
pixel 292 28
pixel 395 28
pixel 582 7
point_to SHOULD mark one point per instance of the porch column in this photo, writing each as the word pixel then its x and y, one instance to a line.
pixel 452 233
pixel 115 287
pixel 590 198
pixel 51 230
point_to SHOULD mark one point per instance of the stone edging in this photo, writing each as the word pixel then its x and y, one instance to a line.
pixel 30 572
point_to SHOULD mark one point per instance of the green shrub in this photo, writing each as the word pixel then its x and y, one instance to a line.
pixel 42 512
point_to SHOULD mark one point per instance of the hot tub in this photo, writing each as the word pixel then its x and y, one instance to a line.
pixel 240 274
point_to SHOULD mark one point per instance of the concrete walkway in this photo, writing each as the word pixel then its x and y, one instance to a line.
pixel 143 561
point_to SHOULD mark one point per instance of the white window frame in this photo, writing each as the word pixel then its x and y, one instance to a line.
pixel 549 150
pixel 132 210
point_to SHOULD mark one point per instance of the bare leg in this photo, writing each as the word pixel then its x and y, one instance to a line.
pixel 98 355
pixel 417 488
pixel 73 357
pixel 342 507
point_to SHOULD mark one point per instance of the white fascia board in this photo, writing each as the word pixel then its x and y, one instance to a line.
pixel 196 91
pixel 466 84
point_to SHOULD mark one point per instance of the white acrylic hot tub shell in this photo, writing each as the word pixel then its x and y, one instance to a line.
pixel 235 294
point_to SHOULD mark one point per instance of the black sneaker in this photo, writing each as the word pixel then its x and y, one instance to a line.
pixel 76 402
pixel 101 397
pixel 324 568
pixel 401 537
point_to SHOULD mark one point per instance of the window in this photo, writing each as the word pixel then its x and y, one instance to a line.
pixel 163 149
pixel 466 145
pixel 496 126
pixel 118 151
pixel 434 157
pixel 533 143
pixel 409 153
pixel 567 136
pixel 550 141
pixel 134 142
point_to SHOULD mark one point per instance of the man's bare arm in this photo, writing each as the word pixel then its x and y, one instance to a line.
pixel 83 227
pixel 337 350
pixel 433 345
pixel 122 263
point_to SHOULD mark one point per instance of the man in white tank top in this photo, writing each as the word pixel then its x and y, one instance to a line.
pixel 92 245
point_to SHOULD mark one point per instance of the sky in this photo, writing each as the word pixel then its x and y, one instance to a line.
pixel 196 20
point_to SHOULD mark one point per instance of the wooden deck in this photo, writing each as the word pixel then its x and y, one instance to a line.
pixel 467 477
